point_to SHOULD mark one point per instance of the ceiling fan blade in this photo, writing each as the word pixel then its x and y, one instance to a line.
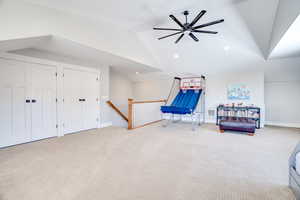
pixel 209 24
pixel 200 31
pixel 194 37
pixel 170 35
pixel 177 21
pixel 179 38
pixel 197 18
pixel 167 29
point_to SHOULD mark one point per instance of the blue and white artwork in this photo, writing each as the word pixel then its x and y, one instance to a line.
pixel 238 92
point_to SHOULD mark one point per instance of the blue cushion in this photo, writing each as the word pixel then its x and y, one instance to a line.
pixel 166 109
pixel 184 103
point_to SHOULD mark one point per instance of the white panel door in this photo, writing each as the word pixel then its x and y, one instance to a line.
pixel 90 94
pixel 72 104
pixel 43 101
pixel 14 111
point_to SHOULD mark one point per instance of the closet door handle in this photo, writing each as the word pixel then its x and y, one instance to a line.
pixel 27 101
pixel 33 101
pixel 83 99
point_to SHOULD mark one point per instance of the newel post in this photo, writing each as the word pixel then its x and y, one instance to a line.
pixel 130 114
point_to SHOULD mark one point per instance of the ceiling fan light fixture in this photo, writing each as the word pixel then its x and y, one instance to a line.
pixel 175 55
pixel 227 48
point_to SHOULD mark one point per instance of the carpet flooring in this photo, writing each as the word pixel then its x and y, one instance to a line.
pixel 151 163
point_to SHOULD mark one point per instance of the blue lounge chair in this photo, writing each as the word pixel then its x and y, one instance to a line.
pixel 184 103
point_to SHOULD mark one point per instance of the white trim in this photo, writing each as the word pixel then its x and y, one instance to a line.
pixel 283 124
pixel 210 121
pixel 282 82
pixel 16 57
pixel 106 124
pixel 34 60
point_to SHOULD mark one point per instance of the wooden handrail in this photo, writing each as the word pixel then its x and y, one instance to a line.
pixel 147 124
pixel 117 110
pixel 130 112
pixel 155 101
pixel 129 119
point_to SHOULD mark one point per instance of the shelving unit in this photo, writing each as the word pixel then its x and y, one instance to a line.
pixel 242 113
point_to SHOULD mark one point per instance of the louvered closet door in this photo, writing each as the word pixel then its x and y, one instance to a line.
pixel 90 94
pixel 14 111
pixel 72 104
pixel 43 101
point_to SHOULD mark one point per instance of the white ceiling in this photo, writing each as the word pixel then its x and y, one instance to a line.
pixel 248 22
pixel 242 42
pixel 246 31
pixel 289 45
pixel 129 14
pixel 21 43
pixel 62 50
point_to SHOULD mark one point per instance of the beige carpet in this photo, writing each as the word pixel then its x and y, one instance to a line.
pixel 151 163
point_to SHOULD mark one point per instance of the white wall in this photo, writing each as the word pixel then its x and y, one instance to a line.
pixel 282 93
pixel 216 89
pixel 120 91
pixel 152 90
pixel 277 89
pixel 283 103
pixel 121 88
pixel 146 113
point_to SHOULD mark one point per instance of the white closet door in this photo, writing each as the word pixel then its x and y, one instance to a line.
pixel 90 94
pixel 14 111
pixel 43 101
pixel 72 106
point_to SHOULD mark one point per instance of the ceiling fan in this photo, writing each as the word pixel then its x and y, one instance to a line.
pixel 190 27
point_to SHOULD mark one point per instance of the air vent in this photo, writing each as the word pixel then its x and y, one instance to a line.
pixel 211 113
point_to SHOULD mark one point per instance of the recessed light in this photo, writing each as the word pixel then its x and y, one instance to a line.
pixel 227 48
pixel 175 55
pixel 137 72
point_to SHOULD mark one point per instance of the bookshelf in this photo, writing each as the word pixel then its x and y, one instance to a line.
pixel 239 113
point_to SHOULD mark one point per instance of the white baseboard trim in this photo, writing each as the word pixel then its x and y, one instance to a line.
pixel 105 124
pixel 283 124
pixel 210 121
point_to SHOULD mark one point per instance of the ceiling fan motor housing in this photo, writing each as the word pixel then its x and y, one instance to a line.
pixel 186 13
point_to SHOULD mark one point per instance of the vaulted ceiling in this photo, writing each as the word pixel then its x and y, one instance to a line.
pixel 289 44
pixel 124 28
